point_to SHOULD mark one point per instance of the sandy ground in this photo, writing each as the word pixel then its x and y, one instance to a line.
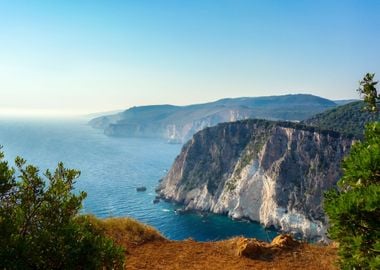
pixel 187 255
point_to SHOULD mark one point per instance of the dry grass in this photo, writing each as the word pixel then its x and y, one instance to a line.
pixel 126 232
pixel 192 255
pixel 148 249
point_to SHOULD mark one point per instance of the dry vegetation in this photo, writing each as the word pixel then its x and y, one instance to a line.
pixel 147 249
pixel 127 232
pixel 190 254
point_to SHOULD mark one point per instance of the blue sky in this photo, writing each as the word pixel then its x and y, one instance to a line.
pixel 79 56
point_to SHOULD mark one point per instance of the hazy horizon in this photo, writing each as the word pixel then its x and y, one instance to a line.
pixel 81 57
pixel 20 112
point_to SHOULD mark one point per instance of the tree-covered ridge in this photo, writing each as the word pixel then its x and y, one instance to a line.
pixel 285 124
pixel 349 119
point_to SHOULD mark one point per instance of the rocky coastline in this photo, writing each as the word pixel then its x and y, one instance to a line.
pixel 274 173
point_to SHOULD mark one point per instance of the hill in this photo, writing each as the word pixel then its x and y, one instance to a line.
pixel 179 123
pixel 349 119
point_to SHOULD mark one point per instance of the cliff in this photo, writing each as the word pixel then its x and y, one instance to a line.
pixel 271 172
pixel 179 123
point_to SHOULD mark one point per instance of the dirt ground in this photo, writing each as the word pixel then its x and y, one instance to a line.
pixel 188 254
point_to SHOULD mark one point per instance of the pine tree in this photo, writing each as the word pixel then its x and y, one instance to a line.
pixel 354 208
pixel 368 90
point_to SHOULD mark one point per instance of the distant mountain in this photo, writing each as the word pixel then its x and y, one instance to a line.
pixel 340 102
pixel 99 114
pixel 349 119
pixel 179 123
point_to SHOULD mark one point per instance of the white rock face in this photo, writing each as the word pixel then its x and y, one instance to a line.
pixel 182 133
pixel 268 173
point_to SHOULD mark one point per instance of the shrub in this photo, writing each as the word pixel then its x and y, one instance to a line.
pixel 354 210
pixel 39 224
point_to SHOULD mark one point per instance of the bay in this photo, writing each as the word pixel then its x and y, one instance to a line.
pixel 111 169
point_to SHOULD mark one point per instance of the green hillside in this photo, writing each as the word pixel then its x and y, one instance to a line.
pixel 349 119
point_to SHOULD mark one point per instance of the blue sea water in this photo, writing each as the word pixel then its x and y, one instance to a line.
pixel 111 169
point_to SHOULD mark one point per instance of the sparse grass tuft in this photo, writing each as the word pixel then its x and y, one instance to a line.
pixel 126 232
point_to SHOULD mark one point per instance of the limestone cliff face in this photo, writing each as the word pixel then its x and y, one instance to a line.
pixel 271 172
pixel 177 131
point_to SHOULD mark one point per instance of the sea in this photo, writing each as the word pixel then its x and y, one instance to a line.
pixel 111 170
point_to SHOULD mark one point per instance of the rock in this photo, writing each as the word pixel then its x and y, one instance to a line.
pixel 284 241
pixel 252 248
pixel 141 189
pixel 274 173
pixel 180 211
pixel 156 201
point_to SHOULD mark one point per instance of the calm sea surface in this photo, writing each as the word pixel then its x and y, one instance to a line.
pixel 111 169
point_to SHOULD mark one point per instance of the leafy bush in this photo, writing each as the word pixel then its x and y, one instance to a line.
pixel 39 223
pixel 354 210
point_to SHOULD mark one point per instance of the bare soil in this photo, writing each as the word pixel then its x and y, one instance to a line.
pixel 189 254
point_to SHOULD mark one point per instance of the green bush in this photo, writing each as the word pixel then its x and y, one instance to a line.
pixel 354 210
pixel 40 227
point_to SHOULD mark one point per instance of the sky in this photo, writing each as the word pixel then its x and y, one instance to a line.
pixel 83 56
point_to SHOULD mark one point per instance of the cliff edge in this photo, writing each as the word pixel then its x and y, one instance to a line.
pixel 271 172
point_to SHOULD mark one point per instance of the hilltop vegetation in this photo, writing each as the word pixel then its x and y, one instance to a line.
pixel 349 119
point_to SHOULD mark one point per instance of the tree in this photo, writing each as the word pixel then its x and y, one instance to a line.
pixel 368 90
pixel 40 225
pixel 354 208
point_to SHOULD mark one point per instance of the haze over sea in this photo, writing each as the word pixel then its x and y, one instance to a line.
pixel 111 169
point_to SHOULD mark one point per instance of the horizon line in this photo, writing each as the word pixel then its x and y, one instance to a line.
pixel 62 113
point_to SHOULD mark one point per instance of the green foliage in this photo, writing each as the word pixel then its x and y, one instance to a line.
pixel 354 217
pixel 368 90
pixel 39 223
pixel 348 119
pixel 354 209
pixel 362 167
